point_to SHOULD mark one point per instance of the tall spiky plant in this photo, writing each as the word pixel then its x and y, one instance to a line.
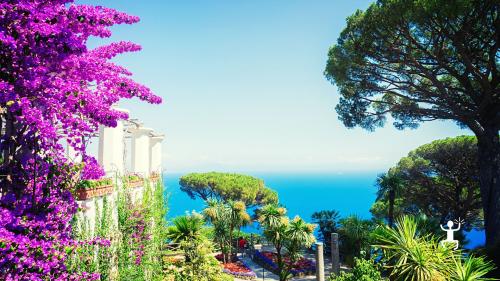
pixel 225 218
pixel 471 269
pixel 411 255
pixel 238 217
pixel 186 230
pixel 216 213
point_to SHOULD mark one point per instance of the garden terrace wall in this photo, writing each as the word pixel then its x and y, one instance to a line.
pixel 88 209
pixel 89 201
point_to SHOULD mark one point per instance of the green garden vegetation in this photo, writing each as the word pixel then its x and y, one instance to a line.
pixel 327 221
pixel 92 184
pixel 355 234
pixel 409 251
pixel 93 257
pixel 198 263
pixel 363 270
pixel 133 178
pixel 410 254
pixel 225 219
pixel 130 248
pixel 439 179
pixel 287 236
pixel 419 61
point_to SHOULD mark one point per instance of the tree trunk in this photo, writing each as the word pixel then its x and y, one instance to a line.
pixel 489 178
pixel 280 263
pixel 231 228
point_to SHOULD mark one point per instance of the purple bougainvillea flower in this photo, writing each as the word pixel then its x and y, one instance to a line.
pixel 53 88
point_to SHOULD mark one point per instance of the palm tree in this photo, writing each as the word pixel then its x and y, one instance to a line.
pixel 299 235
pixel 185 228
pixel 216 213
pixel 327 221
pixel 225 218
pixel 355 237
pixel 291 235
pixel 270 216
pixel 389 186
pixel 238 217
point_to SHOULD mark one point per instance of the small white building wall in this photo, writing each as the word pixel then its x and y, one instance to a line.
pixel 155 150
pixel 112 148
pixel 140 150
pixel 89 208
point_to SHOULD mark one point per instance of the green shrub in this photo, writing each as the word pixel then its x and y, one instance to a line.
pixel 355 238
pixel 133 177
pixel 364 270
pixel 411 254
pixel 199 264
pixel 91 184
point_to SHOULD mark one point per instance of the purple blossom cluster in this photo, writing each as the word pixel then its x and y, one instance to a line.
pixel 265 261
pixel 52 88
pixel 139 235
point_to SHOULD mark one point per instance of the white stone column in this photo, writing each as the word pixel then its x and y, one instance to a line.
pixel 155 154
pixel 112 148
pixel 140 150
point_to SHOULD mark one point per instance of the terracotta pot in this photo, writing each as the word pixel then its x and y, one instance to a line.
pixel 137 183
pixel 84 194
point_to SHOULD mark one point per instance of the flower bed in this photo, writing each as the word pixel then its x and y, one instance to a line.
pixel 269 261
pixel 237 268
pixel 87 189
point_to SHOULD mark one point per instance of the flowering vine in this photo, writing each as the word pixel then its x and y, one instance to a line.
pixel 52 88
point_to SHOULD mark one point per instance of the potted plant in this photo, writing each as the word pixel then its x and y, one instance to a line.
pixel 87 189
pixel 154 176
pixel 134 180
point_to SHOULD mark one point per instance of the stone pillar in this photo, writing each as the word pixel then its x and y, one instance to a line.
pixel 140 150
pixel 320 263
pixel 335 253
pixel 155 154
pixel 112 148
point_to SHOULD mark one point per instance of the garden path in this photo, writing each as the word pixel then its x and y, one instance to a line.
pixel 261 275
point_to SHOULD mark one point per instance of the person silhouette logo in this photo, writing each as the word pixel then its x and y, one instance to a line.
pixel 449 234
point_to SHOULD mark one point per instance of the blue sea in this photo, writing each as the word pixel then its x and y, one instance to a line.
pixel 304 194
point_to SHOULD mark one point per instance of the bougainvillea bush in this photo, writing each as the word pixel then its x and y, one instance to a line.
pixel 53 89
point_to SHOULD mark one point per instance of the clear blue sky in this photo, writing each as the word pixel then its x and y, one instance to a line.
pixel 243 87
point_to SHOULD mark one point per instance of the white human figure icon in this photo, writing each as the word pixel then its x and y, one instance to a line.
pixel 449 234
